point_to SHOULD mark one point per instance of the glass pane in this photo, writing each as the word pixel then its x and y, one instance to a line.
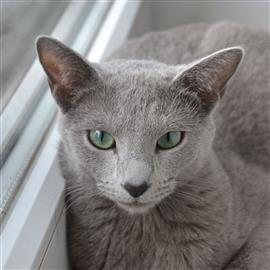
pixel 21 23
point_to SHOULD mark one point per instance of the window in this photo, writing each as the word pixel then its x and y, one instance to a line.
pixel 27 109
pixel 18 43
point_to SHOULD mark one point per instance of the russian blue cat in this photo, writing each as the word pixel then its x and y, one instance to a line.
pixel 165 150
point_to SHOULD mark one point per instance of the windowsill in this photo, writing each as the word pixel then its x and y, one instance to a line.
pixel 35 211
pixel 36 214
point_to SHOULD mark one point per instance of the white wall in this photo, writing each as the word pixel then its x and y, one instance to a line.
pixel 166 14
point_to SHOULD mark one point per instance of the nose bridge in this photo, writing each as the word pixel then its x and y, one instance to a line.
pixel 135 163
pixel 137 172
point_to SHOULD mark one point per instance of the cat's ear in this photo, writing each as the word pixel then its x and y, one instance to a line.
pixel 206 79
pixel 69 76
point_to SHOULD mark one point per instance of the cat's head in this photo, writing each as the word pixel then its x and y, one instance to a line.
pixel 136 129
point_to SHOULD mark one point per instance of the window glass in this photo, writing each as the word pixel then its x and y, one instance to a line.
pixel 21 23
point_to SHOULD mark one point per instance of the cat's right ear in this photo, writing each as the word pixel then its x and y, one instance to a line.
pixel 205 80
pixel 69 76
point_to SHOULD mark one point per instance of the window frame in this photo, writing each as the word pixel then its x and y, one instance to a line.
pixel 29 114
pixel 39 204
pixel 29 91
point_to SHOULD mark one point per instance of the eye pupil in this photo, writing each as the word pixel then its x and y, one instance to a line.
pixel 101 135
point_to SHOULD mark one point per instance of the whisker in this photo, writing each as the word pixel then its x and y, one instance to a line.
pixel 77 194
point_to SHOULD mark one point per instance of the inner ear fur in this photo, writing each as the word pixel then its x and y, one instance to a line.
pixel 68 73
pixel 206 78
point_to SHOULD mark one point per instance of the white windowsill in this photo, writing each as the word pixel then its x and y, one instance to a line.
pixel 35 212
pixel 28 230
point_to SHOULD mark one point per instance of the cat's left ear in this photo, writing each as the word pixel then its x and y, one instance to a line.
pixel 206 79
pixel 69 75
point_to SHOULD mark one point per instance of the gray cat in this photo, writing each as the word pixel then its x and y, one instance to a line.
pixel 164 169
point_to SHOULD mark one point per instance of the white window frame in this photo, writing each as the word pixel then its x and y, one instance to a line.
pixel 35 213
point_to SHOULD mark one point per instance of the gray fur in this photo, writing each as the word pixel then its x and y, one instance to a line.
pixel 208 203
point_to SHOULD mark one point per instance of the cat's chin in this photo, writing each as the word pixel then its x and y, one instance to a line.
pixel 136 208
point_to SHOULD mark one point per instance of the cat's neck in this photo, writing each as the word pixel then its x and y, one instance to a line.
pixel 195 217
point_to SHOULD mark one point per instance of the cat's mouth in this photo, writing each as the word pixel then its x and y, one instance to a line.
pixel 135 206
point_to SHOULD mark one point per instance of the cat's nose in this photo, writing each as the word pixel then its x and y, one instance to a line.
pixel 136 191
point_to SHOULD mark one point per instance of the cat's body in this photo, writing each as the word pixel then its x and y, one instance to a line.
pixel 218 216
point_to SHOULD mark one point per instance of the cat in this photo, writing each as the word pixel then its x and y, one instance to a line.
pixel 166 169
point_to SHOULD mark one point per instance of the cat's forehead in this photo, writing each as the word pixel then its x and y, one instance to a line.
pixel 134 98
pixel 140 72
pixel 136 91
pixel 136 83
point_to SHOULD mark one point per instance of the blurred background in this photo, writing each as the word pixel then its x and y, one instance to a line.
pixel 160 15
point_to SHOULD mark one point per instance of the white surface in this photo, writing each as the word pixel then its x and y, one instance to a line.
pixel 55 257
pixel 13 170
pixel 35 212
pixel 115 29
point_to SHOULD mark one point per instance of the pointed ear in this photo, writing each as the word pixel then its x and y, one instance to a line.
pixel 206 79
pixel 69 76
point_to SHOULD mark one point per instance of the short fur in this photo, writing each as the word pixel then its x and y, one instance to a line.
pixel 208 203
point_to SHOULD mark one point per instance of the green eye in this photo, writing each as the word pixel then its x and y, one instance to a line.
pixel 101 139
pixel 169 140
